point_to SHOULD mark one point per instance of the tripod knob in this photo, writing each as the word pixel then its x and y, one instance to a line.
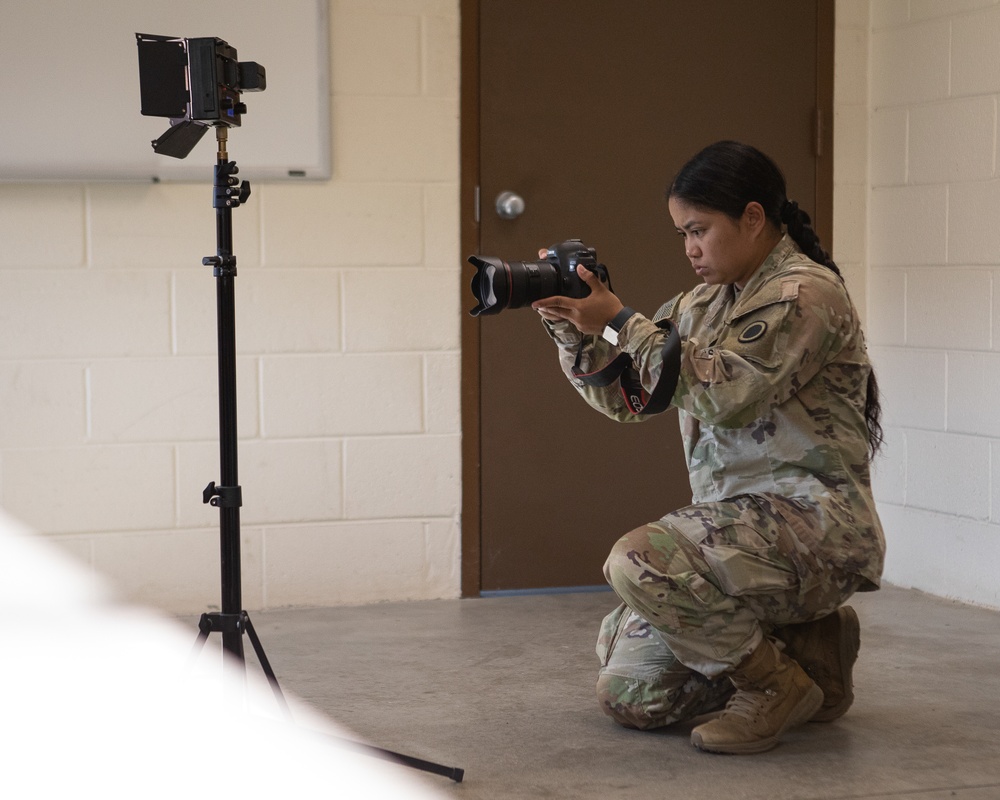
pixel 238 195
pixel 224 265
pixel 223 496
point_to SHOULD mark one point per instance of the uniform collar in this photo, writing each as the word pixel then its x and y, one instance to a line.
pixel 728 301
pixel 782 250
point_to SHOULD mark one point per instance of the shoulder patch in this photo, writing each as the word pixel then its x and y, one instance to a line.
pixel 789 289
pixel 667 309
pixel 752 332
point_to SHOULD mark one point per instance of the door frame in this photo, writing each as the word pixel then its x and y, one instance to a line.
pixel 469 243
pixel 469 209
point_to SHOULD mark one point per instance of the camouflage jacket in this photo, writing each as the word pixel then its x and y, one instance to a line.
pixel 771 399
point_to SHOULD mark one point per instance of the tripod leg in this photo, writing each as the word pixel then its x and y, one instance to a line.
pixel 265 665
pixel 455 773
pixel 199 642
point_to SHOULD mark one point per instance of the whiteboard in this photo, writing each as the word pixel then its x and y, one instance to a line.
pixel 69 89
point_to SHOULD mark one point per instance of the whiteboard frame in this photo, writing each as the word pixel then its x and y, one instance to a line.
pixel 62 49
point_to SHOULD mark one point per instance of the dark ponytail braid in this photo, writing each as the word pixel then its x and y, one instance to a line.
pixel 800 228
pixel 725 177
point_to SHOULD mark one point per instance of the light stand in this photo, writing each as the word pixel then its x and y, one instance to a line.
pixel 232 622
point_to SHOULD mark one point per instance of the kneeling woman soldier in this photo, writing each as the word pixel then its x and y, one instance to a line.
pixel 740 595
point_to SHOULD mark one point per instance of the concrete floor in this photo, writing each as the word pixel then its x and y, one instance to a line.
pixel 504 688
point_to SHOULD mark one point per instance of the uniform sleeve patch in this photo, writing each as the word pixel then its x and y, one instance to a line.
pixel 667 309
pixel 753 332
pixel 789 289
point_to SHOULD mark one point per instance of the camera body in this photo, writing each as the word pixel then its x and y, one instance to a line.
pixel 500 284
pixel 197 83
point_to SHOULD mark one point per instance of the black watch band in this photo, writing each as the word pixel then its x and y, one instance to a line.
pixel 613 328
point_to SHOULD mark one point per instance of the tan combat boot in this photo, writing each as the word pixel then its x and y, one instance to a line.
pixel 773 694
pixel 827 649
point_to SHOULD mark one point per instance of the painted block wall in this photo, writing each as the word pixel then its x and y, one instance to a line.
pixel 850 147
pixel 347 338
pixel 934 289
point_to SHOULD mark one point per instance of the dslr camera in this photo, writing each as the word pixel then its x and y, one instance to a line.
pixel 500 284
pixel 196 83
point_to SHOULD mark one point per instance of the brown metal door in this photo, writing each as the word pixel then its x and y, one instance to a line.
pixel 586 110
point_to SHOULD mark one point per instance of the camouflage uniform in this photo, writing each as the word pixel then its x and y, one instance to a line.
pixel 783 526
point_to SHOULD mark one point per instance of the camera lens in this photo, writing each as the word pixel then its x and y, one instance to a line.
pixel 489 284
pixel 500 284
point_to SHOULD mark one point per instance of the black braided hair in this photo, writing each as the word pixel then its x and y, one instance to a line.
pixel 800 228
pixel 726 176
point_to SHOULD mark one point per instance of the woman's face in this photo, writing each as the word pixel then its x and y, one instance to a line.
pixel 721 250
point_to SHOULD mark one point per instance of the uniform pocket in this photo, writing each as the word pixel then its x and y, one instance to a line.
pixel 759 335
pixel 757 330
pixel 747 561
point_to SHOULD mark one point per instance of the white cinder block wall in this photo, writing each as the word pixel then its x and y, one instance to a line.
pixel 934 289
pixel 850 151
pixel 348 341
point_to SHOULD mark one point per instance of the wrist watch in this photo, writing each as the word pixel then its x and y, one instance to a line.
pixel 613 328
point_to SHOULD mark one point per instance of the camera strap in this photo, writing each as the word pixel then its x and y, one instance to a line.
pixel 622 369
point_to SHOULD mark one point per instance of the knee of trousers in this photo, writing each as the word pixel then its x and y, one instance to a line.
pixel 665 587
pixel 646 704
pixel 620 699
pixel 620 567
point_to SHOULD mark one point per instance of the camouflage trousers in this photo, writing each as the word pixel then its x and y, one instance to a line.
pixel 702 587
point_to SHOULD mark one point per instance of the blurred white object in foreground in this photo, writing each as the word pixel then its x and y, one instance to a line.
pixel 103 699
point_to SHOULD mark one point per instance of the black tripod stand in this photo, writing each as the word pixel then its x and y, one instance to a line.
pixel 232 622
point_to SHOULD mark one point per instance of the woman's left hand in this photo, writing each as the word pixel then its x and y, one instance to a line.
pixel 589 314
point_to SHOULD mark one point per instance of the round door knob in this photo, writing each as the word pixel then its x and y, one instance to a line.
pixel 509 205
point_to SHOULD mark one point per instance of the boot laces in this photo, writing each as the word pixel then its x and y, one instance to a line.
pixel 748 704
